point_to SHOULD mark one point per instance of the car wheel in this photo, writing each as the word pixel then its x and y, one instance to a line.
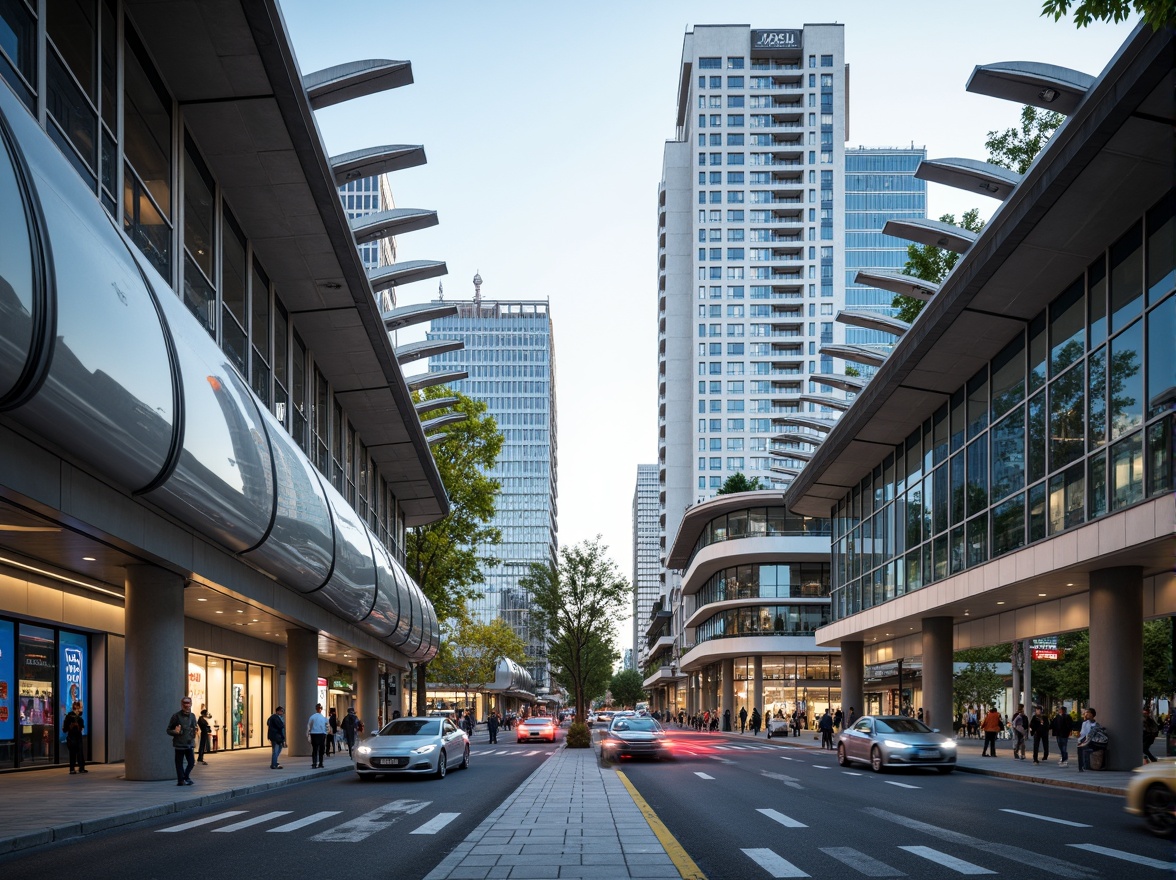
pixel 876 760
pixel 842 758
pixel 441 765
pixel 465 758
pixel 946 770
pixel 1158 806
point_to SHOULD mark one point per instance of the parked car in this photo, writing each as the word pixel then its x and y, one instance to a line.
pixel 1151 793
pixel 540 727
pixel 883 741
pixel 633 736
pixel 413 746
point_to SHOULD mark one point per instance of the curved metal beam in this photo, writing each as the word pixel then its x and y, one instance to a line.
pixel 808 437
pixel 970 175
pixel 896 282
pixel 343 82
pixel 414 351
pixel 407 272
pixel 385 224
pixel 838 403
pixel 853 384
pixel 1030 82
pixel 931 232
pixel 814 423
pixel 442 421
pixel 435 403
pixel 428 380
pixel 792 453
pixel 873 321
pixel 857 354
pixel 372 161
pixel 418 313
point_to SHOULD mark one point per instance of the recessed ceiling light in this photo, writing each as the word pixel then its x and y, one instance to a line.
pixel 239 611
pixel 255 620
pixel 1069 585
pixel 1000 603
pixel 220 612
pixel 201 600
pixel 87 558
pixel 1042 595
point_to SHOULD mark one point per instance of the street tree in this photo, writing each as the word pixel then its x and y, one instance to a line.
pixel 573 607
pixel 469 657
pixel 977 684
pixel 447 558
pixel 1157 13
pixel 737 482
pixel 626 687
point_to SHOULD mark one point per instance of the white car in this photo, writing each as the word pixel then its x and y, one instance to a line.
pixel 413 746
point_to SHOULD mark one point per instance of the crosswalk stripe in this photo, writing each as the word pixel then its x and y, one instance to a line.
pixel 436 823
pixel 248 823
pixel 826 767
pixel 302 823
pixel 196 823
pixel 773 864
pixel 702 775
pixel 861 862
pixel 946 861
pixel 530 753
pixel 369 823
pixel 1045 818
pixel 786 821
pixel 900 784
pixel 1125 856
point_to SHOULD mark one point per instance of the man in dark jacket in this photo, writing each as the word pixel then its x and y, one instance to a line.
pixel 1039 728
pixel 825 725
pixel 492 726
pixel 1061 727
pixel 73 727
pixel 275 731
pixel 182 729
pixel 350 725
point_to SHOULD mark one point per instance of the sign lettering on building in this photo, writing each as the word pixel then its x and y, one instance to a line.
pixel 780 42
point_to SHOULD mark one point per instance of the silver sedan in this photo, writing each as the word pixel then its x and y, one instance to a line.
pixel 883 741
pixel 413 746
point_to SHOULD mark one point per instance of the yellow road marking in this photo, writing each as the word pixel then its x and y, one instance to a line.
pixel 674 850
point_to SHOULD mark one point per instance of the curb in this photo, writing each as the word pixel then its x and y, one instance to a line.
pixel 70 830
pixel 1036 780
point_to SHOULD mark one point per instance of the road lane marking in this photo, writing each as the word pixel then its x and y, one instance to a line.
pixel 302 823
pixel 1045 818
pixel 946 861
pixel 773 864
pixel 851 773
pixel 786 821
pixel 687 869
pixel 720 760
pixel 790 781
pixel 196 823
pixel 1125 856
pixel 786 758
pixel 822 767
pixel 436 823
pixel 530 753
pixel 369 823
pixel 900 784
pixel 702 775
pixel 861 862
pixel 249 823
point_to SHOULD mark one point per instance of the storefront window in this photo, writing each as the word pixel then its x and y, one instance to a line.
pixel 73 667
pixel 36 670
pixel 8 694
pixel 238 706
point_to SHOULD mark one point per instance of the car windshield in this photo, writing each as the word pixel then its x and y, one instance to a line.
pixel 901 725
pixel 636 724
pixel 412 727
pixel 537 722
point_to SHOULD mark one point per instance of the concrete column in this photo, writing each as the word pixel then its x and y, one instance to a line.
pixel 155 676
pixel 1027 677
pixel 1116 660
pixel 853 675
pixel 755 699
pixel 938 637
pixel 367 693
pixel 1016 678
pixel 727 672
pixel 301 687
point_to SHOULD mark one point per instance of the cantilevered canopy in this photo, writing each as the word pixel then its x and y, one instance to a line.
pixel 385 224
pixel 428 380
pixel 895 282
pixel 808 437
pixel 442 421
pixel 414 351
pixel 815 423
pixel 780 469
pixel 791 453
pixel 355 79
pixel 842 381
pixel 933 232
pixel 858 354
pixel 970 175
pixel 837 403
pixel 1030 82
pixel 406 316
pixel 435 403
pixel 873 321
pixel 406 273
pixel 375 160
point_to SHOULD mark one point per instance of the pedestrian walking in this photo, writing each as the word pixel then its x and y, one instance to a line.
pixel 743 720
pixel 350 727
pixel 73 726
pixel 333 724
pixel 316 732
pixel 1061 726
pixel 205 734
pixel 756 721
pixel 991 726
pixel 838 719
pixel 182 729
pixel 851 717
pixel 726 721
pixel 467 724
pixel 1020 727
pixel 492 727
pixel 825 725
pixel 1039 729
pixel 275 732
pixel 1151 730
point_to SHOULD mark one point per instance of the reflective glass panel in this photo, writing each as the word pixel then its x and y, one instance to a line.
pixel 1161 248
pixel 1067 411
pixel 1126 380
pixel 1127 471
pixel 1067 328
pixel 1127 277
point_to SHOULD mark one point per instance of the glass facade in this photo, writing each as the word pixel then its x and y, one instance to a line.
pixel 237 695
pixel 1071 421
pixel 802 580
pixel 646 553
pixel 759 522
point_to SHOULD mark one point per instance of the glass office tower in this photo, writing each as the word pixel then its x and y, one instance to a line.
pixel 646 555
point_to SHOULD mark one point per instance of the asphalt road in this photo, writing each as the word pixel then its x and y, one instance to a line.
pixel 756 809
pixel 333 827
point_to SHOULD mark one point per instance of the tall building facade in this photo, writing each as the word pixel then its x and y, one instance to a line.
pixel 510 357
pixel 646 554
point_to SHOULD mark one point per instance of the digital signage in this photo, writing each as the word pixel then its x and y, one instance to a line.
pixel 777 42
pixel 73 673
pixel 7 679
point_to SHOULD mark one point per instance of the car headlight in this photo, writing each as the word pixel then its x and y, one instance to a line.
pixel 364 750
pixel 895 744
pixel 947 745
pixel 424 750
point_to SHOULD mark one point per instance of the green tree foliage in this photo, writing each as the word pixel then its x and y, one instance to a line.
pixel 737 482
pixel 1156 13
pixel 988 654
pixel 573 606
pixel 931 263
pixel 1016 148
pixel 446 558
pixel 977 684
pixel 626 688
pixel 469 657
pixel 1068 678
pixel 1157 656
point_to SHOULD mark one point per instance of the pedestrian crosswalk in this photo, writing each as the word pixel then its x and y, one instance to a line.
pixel 491 752
pixel 352 830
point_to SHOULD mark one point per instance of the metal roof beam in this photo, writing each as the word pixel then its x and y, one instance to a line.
pixel 355 79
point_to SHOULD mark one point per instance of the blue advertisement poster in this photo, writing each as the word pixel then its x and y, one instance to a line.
pixel 73 669
pixel 7 679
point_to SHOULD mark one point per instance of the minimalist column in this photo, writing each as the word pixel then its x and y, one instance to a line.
pixel 367 693
pixel 728 701
pixel 301 687
pixel 853 675
pixel 155 677
pixel 1116 660
pixel 937 672
pixel 1016 678
pixel 1027 677
pixel 756 698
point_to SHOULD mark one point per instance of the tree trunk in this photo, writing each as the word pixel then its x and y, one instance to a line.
pixel 421 695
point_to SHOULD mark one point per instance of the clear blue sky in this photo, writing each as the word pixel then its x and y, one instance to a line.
pixel 544 124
